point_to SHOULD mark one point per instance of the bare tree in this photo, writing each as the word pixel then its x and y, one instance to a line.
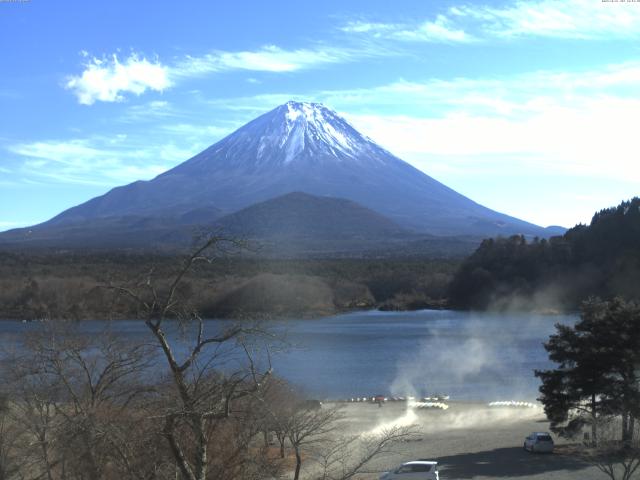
pixel 190 404
pixel 78 398
pixel 206 388
pixel 314 432
pixel 351 455
pixel 309 427
pixel 11 465
pixel 278 404
pixel 616 457
pixel 33 402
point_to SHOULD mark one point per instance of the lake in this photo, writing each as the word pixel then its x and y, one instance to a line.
pixel 467 355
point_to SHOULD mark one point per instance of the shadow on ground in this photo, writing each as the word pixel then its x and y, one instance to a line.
pixel 505 463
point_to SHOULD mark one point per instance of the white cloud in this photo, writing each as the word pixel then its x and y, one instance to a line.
pixel 108 79
pixel 269 58
pixel 188 130
pixel 148 111
pixel 512 148
pixel 568 19
pixel 571 123
pixel 577 19
pixel 101 161
pixel 593 139
pixel 375 28
pixel 440 30
pixel 7 225
pixel 580 124
pixel 506 96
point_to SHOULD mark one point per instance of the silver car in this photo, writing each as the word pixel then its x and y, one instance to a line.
pixel 539 442
pixel 423 469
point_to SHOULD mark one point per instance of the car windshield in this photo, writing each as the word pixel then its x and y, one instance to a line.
pixel 421 467
pixel 404 469
pixel 544 438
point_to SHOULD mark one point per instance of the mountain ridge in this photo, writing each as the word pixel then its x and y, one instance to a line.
pixel 296 147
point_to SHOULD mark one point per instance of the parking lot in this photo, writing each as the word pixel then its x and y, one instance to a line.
pixel 472 440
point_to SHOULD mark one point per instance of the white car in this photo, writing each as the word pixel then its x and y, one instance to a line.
pixel 423 469
pixel 539 442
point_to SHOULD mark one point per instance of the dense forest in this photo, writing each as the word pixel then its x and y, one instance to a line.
pixel 75 286
pixel 602 258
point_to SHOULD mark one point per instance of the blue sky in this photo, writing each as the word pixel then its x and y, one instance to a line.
pixel 530 108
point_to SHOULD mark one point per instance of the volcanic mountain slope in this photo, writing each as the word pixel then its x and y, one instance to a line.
pixel 297 147
pixel 293 225
pixel 301 224
pixel 300 215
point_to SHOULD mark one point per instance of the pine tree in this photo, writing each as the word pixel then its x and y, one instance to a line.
pixel 598 369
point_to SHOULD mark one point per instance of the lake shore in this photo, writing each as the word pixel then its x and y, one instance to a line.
pixel 469 440
pixel 71 285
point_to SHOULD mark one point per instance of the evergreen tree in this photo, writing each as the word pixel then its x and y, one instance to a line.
pixel 601 259
pixel 598 369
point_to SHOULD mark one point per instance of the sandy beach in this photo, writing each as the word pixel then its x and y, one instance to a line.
pixel 470 440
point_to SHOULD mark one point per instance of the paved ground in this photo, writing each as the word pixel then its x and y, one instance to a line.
pixel 471 440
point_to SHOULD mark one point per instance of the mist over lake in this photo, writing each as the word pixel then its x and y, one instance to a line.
pixel 468 355
pixel 471 356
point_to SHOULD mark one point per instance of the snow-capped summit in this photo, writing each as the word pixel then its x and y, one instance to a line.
pixel 314 127
pixel 300 147
pixel 296 132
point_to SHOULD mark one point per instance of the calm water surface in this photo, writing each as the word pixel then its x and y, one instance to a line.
pixel 470 356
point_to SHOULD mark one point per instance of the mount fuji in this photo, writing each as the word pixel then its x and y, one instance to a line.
pixel 297 147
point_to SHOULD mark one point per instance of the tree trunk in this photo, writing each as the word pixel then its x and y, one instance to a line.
pixel 296 475
pixel 625 427
pixel 181 461
pixel 92 465
pixel 201 448
pixel 594 421
pixel 44 447
pixel 281 440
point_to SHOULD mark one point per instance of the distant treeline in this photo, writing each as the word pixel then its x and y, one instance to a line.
pixel 601 259
pixel 75 286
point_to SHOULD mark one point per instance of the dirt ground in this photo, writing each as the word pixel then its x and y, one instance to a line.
pixel 470 440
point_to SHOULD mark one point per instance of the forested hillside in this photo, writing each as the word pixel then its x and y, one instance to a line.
pixel 602 258
pixel 73 285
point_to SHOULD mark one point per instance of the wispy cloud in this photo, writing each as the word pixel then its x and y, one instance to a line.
pixel 6 225
pixel 442 29
pixel 587 139
pixel 99 160
pixel 577 19
pixel 572 123
pixel 149 111
pixel 439 30
pixel 199 131
pixel 375 28
pixel 579 123
pixel 269 58
pixel 108 79
pixel 567 19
